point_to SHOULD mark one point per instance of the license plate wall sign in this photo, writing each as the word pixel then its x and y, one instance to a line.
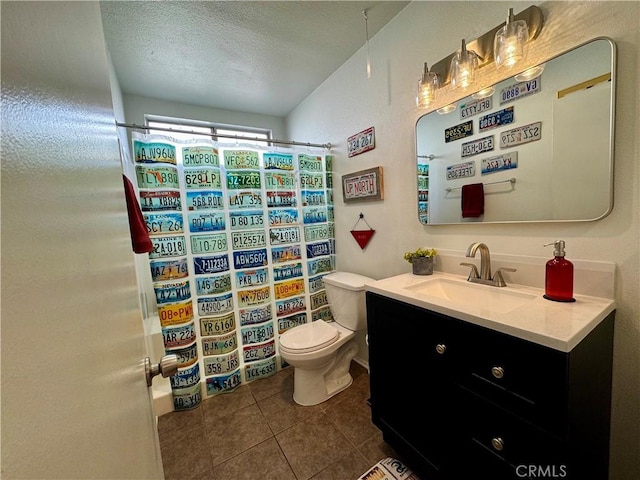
pixel 476 147
pixel 520 90
pixel 361 142
pixel 496 119
pixel 241 240
pixel 499 163
pixel 458 131
pixel 520 135
pixel 475 107
pixel 364 185
pixel 461 170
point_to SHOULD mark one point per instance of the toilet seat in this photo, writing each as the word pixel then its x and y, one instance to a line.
pixel 309 337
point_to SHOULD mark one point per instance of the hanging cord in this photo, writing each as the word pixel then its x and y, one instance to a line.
pixel 216 135
pixel 366 29
pixel 361 217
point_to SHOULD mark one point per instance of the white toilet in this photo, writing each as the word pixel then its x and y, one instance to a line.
pixel 321 352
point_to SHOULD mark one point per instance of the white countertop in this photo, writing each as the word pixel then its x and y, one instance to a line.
pixel 557 325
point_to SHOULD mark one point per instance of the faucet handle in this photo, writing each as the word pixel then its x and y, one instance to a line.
pixel 474 270
pixel 498 279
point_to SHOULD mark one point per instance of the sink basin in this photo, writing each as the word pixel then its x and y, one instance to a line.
pixel 486 297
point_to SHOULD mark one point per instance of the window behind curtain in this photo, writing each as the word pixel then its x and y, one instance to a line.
pixel 208 129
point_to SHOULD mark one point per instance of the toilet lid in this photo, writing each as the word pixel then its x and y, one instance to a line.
pixel 309 337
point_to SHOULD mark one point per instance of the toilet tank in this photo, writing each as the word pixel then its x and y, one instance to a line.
pixel 346 296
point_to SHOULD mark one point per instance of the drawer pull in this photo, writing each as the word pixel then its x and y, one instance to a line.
pixel 497 443
pixel 497 372
pixel 441 348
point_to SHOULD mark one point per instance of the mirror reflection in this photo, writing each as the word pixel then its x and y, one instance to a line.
pixel 531 150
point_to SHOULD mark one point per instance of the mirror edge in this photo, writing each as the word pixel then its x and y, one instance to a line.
pixel 612 119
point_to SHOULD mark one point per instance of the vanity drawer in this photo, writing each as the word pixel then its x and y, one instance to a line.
pixel 503 446
pixel 525 378
pixel 428 345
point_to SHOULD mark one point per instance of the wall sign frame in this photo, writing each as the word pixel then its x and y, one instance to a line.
pixel 363 186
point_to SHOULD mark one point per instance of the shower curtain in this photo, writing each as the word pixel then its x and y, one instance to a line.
pixel 242 236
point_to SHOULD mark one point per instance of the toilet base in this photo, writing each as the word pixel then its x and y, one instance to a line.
pixel 314 386
pixel 310 390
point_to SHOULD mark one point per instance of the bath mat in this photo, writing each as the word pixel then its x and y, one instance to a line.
pixel 389 469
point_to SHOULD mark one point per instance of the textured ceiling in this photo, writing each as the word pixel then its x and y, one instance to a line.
pixel 257 57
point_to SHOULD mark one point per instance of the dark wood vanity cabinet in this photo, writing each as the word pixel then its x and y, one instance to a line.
pixel 460 401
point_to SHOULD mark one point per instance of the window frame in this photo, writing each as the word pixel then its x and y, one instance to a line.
pixel 215 128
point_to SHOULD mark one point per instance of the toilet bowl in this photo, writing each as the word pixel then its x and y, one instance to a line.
pixel 321 352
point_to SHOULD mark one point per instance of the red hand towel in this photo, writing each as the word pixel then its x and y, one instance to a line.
pixel 472 200
pixel 140 240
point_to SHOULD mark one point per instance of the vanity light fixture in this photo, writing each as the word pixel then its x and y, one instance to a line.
pixel 458 68
pixel 509 42
pixel 427 86
pixel 463 67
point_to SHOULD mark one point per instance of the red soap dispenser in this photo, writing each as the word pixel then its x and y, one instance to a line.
pixel 558 284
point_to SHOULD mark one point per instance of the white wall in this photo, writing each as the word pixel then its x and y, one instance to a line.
pixel 429 31
pixel 136 107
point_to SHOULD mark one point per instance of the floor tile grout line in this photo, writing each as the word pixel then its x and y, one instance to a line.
pixel 323 410
pixel 285 457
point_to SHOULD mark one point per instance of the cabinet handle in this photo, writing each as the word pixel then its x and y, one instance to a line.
pixel 441 348
pixel 497 443
pixel 497 372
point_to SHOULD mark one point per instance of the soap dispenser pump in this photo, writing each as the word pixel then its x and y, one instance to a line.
pixel 558 284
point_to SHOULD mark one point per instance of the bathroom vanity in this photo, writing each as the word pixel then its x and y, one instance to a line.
pixel 474 381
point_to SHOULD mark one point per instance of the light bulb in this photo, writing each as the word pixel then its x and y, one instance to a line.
pixel 463 67
pixel 427 86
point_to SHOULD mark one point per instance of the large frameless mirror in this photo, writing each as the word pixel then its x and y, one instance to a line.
pixel 534 150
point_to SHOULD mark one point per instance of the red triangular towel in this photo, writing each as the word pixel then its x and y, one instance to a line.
pixel 472 200
pixel 140 240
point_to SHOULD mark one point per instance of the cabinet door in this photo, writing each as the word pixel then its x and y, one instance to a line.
pixel 412 354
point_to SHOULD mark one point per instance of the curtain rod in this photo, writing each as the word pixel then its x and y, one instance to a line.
pixel 236 137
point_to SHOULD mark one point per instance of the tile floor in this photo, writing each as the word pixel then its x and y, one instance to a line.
pixel 259 432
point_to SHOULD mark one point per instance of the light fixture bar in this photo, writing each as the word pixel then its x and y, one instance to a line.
pixel 483 45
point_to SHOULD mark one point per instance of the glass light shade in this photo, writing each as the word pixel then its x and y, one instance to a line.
pixel 463 67
pixel 530 73
pixel 484 93
pixel 447 109
pixel 509 42
pixel 427 86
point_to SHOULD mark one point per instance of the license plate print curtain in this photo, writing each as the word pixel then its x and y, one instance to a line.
pixel 242 237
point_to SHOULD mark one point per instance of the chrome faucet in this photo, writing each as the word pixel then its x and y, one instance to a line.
pixel 484 276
